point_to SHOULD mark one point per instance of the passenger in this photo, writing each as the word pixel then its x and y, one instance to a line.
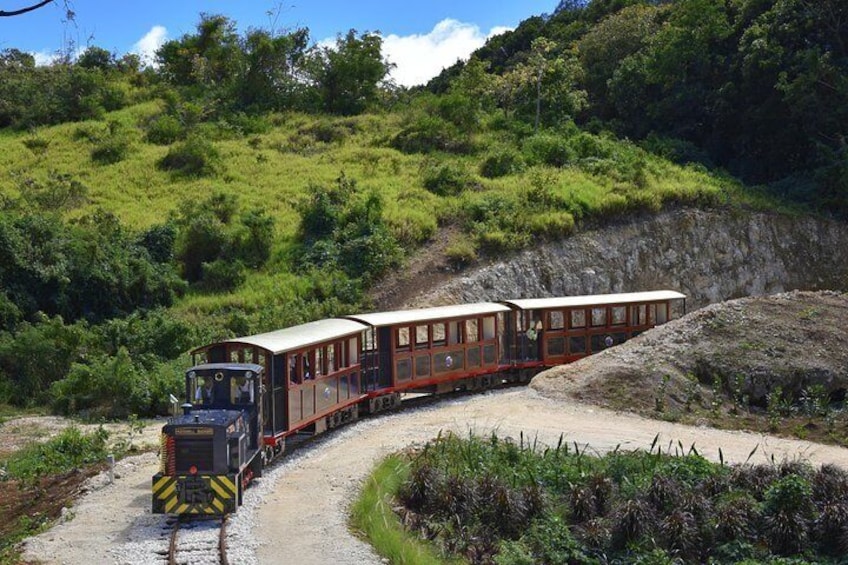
pixel 206 394
pixel 245 391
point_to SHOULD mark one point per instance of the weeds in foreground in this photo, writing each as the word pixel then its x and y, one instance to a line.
pixel 492 500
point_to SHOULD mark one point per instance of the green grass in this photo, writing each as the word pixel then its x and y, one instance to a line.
pixel 275 171
pixel 373 517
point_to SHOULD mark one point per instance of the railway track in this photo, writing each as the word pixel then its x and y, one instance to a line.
pixel 197 541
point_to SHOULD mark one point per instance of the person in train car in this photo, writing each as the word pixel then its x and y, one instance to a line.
pixel 244 391
pixel 206 394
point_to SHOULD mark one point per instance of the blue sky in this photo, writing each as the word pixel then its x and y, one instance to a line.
pixel 420 37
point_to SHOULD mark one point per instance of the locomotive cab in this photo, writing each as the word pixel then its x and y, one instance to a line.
pixel 210 453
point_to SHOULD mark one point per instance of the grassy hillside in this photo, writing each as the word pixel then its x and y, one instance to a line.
pixel 278 169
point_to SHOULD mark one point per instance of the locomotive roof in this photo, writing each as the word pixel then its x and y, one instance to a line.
pixel 429 314
pixel 304 335
pixel 594 300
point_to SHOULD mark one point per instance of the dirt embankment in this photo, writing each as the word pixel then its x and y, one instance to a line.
pixel 746 348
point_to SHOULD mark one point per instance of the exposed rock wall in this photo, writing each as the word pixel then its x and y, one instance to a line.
pixel 710 255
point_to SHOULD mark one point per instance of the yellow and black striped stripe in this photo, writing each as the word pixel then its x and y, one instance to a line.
pixel 195 494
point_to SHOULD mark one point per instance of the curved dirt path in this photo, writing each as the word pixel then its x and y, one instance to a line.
pixel 297 512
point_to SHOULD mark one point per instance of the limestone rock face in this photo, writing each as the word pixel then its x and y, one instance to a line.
pixel 710 256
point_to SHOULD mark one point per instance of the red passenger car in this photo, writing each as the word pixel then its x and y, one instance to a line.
pixel 551 331
pixel 313 375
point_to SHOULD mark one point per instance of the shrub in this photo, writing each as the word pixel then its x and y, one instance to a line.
pixel 461 252
pixel 431 133
pixel 445 179
pixel 165 130
pixel 111 149
pixel 501 163
pixel 223 275
pixel 192 158
pixel 70 450
pixel 38 145
pixel 586 146
pixel 548 149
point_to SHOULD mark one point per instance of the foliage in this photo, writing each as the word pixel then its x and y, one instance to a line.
pixel 214 243
pixel 492 500
pixel 342 227
pixel 500 163
pixel 69 450
pixel 113 386
pixel 347 74
pixel 194 157
pixel 445 178
pixel 90 269
pixel 33 95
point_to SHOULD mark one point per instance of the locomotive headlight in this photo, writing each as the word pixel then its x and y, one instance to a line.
pixel 248 375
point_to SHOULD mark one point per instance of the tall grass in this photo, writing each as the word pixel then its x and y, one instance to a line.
pixel 373 516
pixel 512 501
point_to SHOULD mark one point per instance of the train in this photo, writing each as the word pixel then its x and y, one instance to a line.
pixel 247 397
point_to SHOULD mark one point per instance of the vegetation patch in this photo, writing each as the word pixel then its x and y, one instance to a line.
pixel 505 501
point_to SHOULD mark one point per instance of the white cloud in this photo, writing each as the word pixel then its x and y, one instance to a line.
pixel 44 57
pixel 421 57
pixel 146 47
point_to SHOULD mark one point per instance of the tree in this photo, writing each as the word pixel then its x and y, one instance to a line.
pixel 5 14
pixel 274 64
pixel 348 74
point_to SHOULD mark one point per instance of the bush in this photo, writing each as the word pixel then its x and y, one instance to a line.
pixel 192 158
pixel 223 276
pixel 445 179
pixel 70 450
pixel 427 134
pixel 548 149
pixel 165 130
pixel 501 163
pixel 111 149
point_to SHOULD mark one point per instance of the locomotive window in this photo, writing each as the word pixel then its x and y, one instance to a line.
pixel 454 332
pixel 578 319
pixel 555 320
pixel 489 327
pixel 234 355
pixel 599 316
pixel 652 314
pixel 471 330
pixel 638 315
pixel 662 313
pixel 422 336
pixel 438 334
pixel 402 338
pixel 260 359
pixel 619 315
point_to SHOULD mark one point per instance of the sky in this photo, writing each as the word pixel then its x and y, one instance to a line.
pixel 420 37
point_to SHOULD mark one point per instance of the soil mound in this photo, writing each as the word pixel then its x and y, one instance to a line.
pixel 750 346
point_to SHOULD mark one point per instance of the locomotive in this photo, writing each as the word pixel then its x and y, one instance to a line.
pixel 247 397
